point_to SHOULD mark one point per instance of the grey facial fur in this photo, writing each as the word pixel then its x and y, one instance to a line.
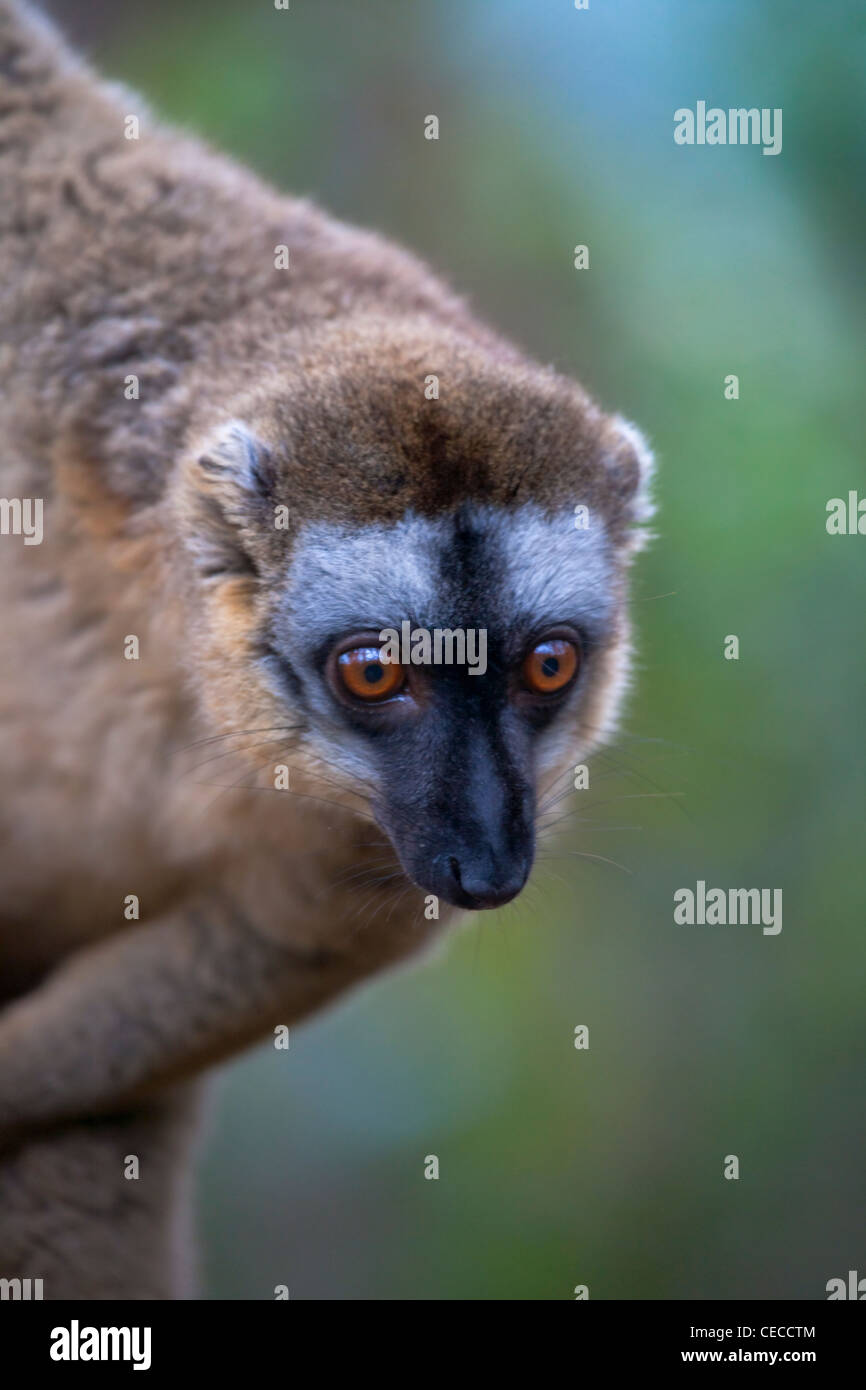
pixel 530 571
pixel 514 573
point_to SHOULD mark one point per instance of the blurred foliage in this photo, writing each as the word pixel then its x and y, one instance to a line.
pixel 603 1167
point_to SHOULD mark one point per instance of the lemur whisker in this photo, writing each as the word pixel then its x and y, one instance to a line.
pixel 238 786
pixel 585 827
pixel 398 900
pixel 345 878
pixel 370 903
pixel 232 753
pixel 240 733
pixel 551 802
pixel 549 795
pixel 273 743
pixel 362 907
pixel 315 756
pixel 635 796
pixel 553 874
pixel 543 823
pixel 326 801
pixel 547 790
pixel 330 782
pixel 624 735
pixel 583 854
pixel 618 768
pixel 378 881
pixel 622 770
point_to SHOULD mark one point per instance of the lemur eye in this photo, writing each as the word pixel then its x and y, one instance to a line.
pixel 367 677
pixel 550 666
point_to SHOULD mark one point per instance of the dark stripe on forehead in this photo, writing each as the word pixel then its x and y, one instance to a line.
pixel 469 581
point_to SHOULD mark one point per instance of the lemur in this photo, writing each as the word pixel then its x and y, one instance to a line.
pixel 223 399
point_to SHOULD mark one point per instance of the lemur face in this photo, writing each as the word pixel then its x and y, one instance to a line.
pixel 444 625
pixel 505 619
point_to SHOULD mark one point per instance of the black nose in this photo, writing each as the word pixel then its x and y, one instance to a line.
pixel 477 881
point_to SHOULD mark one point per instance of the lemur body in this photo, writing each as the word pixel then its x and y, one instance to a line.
pixel 259 388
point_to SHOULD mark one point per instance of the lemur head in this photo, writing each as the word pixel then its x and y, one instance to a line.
pixel 399 482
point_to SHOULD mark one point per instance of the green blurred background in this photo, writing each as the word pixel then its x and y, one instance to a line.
pixel 602 1167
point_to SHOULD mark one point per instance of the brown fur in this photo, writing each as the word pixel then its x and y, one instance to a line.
pixel 156 258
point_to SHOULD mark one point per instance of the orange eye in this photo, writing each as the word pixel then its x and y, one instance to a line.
pixel 550 666
pixel 367 677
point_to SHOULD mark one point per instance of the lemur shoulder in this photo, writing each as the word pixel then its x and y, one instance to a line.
pixel 186 356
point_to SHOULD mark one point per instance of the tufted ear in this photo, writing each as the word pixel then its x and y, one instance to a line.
pixel 631 467
pixel 229 483
pixel 237 467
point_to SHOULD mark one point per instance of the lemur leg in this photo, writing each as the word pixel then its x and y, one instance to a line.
pixel 78 1214
pixel 160 1002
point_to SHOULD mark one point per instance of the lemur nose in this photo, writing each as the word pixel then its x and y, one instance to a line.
pixel 480 883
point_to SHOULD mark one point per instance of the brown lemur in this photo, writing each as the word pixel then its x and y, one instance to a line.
pixel 261 438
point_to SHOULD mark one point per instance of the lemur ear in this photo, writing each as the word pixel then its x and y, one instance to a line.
pixel 631 466
pixel 238 466
pixel 230 481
